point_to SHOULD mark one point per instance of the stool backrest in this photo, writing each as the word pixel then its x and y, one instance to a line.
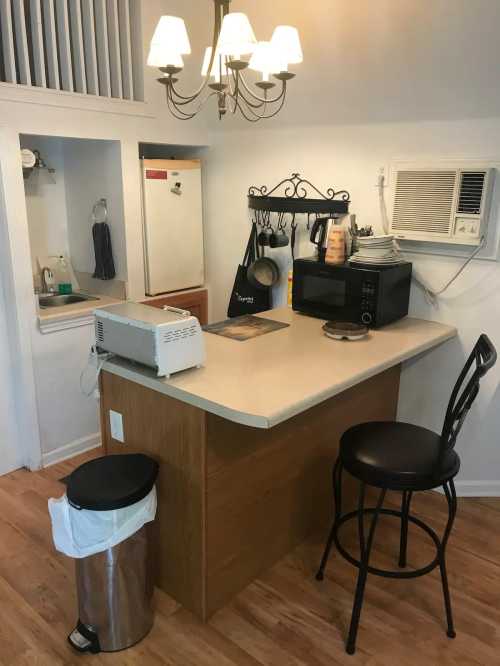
pixel 482 359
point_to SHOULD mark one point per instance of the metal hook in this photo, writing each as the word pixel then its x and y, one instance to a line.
pixel 102 203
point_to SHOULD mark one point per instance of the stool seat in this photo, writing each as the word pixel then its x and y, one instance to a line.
pixel 397 456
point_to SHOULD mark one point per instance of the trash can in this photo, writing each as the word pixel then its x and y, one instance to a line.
pixel 101 521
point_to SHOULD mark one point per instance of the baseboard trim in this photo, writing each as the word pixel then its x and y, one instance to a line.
pixel 476 488
pixel 71 449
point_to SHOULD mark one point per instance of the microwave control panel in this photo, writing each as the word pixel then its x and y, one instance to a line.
pixel 368 302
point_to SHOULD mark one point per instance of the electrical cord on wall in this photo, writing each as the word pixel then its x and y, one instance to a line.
pixel 430 294
pixel 95 360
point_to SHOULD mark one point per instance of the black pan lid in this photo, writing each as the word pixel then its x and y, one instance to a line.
pixel 112 482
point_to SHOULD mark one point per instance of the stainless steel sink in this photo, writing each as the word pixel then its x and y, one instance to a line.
pixel 63 299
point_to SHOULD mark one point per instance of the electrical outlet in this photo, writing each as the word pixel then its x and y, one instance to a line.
pixel 116 424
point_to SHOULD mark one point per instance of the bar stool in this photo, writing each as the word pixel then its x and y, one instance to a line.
pixel 405 458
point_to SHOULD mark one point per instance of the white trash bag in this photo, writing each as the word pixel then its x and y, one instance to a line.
pixel 79 532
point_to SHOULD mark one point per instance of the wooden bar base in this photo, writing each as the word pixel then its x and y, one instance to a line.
pixel 232 500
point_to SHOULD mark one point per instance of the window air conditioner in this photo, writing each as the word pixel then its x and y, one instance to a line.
pixel 442 205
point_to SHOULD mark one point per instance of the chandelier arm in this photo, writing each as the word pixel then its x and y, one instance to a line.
pixel 263 116
pixel 242 103
pixel 183 115
pixel 181 100
pixel 258 97
pixel 172 107
pixel 265 102
pixel 237 91
pixel 238 106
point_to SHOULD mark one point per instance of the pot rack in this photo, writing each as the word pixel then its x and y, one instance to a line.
pixel 294 198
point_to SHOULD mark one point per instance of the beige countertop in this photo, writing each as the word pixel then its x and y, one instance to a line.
pixel 266 380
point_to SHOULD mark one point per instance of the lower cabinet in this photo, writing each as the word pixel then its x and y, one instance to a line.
pixel 196 301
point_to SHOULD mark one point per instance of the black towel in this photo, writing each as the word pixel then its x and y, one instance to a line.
pixel 104 264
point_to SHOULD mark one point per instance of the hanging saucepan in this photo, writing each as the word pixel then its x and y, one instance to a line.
pixel 263 273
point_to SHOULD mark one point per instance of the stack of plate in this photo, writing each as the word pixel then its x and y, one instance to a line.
pixel 376 250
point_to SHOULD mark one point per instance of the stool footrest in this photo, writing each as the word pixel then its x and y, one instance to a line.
pixel 385 573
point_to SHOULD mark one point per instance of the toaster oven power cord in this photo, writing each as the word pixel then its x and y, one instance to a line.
pixel 95 361
pixel 430 294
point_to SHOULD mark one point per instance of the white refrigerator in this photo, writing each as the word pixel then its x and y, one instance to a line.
pixel 173 225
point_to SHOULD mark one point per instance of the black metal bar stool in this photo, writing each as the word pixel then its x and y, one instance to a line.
pixel 405 458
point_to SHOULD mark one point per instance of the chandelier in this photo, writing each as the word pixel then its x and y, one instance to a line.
pixel 234 49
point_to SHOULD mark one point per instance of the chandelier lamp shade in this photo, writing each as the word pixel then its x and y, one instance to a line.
pixel 234 49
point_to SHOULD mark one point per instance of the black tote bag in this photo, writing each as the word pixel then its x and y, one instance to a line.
pixel 245 298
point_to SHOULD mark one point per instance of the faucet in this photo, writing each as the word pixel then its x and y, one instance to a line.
pixel 47 287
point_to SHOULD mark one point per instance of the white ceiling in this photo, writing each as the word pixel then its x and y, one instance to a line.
pixel 381 60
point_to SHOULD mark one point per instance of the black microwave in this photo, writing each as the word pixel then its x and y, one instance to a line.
pixel 363 294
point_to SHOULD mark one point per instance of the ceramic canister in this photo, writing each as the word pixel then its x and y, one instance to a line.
pixel 335 250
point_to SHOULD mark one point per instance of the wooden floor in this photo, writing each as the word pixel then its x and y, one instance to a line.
pixel 283 618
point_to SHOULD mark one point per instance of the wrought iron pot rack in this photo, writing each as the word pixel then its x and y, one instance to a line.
pixel 295 198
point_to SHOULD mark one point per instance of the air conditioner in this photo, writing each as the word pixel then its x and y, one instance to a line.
pixel 442 205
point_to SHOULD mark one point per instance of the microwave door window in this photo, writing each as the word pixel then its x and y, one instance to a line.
pixel 324 291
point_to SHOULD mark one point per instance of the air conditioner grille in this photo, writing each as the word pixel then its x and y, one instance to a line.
pixel 471 192
pixel 424 201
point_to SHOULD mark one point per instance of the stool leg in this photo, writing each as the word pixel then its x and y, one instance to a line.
pixel 451 497
pixel 337 494
pixel 365 549
pixel 405 510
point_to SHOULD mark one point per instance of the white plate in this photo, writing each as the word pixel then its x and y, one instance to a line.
pixel 345 337
pixel 375 239
pixel 380 253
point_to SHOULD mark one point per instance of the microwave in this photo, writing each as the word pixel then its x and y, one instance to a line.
pixel 369 295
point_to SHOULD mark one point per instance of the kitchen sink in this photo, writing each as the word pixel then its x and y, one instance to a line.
pixel 63 299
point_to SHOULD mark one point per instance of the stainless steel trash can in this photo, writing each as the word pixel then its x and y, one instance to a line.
pixel 115 593
pixel 114 586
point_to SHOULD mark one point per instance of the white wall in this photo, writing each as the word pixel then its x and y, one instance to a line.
pixel 93 170
pixel 68 419
pixel 10 454
pixel 46 201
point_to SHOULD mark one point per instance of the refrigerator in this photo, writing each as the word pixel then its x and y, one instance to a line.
pixel 172 225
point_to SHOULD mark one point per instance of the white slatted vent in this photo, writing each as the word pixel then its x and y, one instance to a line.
pixel 442 205
pixel 471 192
pixel 424 201
pixel 92 47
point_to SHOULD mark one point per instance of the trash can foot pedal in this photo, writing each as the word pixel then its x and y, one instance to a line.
pixel 83 639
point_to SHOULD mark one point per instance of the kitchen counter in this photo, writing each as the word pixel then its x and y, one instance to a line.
pixel 266 380
pixel 246 444
pixel 73 314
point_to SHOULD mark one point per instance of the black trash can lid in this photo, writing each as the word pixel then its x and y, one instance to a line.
pixel 112 482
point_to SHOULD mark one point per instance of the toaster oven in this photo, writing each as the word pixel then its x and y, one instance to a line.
pixel 168 340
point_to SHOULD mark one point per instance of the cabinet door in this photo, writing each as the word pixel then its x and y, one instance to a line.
pixel 195 301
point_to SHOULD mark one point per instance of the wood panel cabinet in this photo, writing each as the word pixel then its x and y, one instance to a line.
pixel 196 301
pixel 232 500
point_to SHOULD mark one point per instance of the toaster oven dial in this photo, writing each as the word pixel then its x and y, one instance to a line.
pixel 366 318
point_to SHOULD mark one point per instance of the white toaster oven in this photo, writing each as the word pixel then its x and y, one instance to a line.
pixel 168 340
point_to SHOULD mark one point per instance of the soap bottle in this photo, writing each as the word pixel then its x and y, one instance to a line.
pixel 335 249
pixel 64 285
